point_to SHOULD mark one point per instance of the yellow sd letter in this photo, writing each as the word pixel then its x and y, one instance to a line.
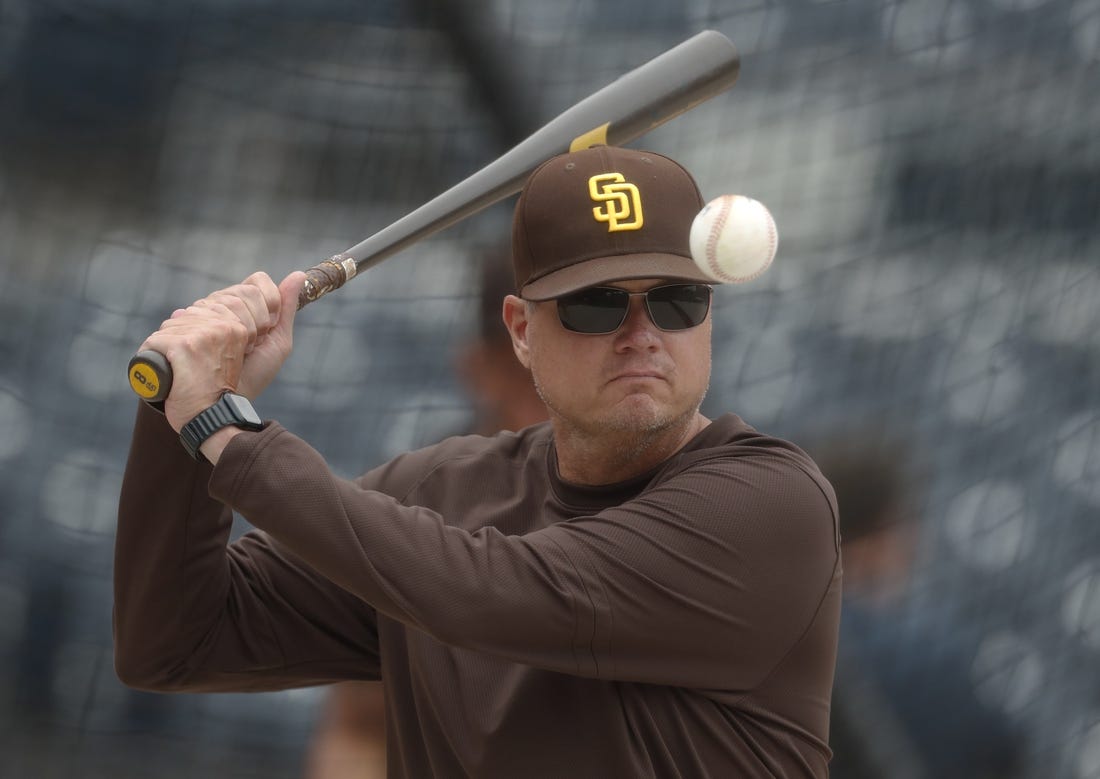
pixel 622 209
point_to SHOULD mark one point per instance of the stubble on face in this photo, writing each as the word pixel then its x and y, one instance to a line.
pixel 636 432
pixel 638 414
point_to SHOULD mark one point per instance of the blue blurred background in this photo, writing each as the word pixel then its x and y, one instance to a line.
pixel 934 169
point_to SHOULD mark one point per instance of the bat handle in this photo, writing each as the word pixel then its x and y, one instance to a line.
pixel 150 376
pixel 326 276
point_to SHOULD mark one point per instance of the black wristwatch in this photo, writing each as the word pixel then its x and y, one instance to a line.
pixel 231 409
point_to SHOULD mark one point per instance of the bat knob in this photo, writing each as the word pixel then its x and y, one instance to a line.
pixel 150 376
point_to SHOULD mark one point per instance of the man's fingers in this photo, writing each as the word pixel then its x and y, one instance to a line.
pixel 268 290
pixel 246 302
pixel 200 333
pixel 255 303
pixel 199 311
pixel 237 308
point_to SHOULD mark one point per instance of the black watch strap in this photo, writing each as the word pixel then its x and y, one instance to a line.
pixel 231 409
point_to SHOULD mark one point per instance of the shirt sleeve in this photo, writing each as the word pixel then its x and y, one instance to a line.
pixel 706 580
pixel 191 614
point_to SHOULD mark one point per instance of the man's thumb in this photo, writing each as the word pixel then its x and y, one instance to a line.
pixel 289 288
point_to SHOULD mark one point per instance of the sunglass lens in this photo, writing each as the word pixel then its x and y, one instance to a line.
pixel 594 310
pixel 679 306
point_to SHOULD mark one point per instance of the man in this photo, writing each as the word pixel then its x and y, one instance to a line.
pixel 628 590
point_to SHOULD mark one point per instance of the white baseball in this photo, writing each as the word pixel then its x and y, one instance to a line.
pixel 733 239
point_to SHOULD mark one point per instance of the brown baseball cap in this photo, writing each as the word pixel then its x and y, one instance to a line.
pixel 604 214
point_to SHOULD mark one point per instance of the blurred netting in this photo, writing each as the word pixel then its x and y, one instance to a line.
pixel 934 168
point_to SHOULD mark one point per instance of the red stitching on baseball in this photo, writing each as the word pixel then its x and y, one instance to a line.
pixel 712 239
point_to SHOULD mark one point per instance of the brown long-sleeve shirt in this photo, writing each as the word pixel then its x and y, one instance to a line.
pixel 682 624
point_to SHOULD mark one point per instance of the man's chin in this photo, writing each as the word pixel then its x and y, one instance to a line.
pixel 636 413
pixel 642 413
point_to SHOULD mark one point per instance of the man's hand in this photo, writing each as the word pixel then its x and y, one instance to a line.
pixel 234 339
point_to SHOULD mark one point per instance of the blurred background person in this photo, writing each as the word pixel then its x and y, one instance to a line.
pixel 350 740
pixel 500 388
pixel 904 704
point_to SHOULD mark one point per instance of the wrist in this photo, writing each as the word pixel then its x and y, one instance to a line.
pixel 230 412
pixel 213 446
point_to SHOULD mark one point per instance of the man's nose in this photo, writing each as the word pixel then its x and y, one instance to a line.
pixel 638 331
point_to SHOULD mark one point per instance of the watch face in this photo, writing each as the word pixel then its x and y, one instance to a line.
pixel 242 408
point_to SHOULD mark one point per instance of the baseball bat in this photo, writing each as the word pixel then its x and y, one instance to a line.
pixel 635 103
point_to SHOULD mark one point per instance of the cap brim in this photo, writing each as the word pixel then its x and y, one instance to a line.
pixel 625 267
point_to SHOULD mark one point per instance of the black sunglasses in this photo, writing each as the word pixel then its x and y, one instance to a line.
pixel 602 310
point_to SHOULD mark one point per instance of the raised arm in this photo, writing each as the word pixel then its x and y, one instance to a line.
pixel 189 612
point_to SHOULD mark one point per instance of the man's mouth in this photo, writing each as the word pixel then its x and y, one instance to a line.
pixel 643 374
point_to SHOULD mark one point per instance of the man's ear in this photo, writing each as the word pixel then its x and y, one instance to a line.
pixel 515 319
